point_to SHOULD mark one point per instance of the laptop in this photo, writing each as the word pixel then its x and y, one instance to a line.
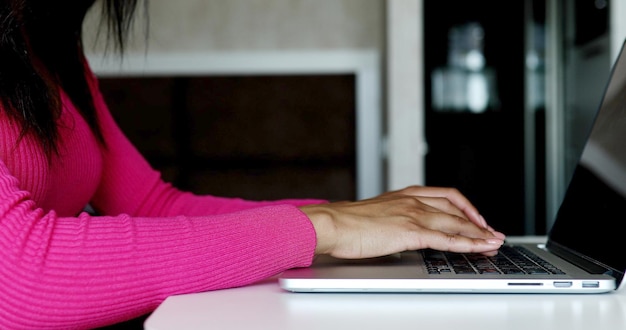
pixel 584 251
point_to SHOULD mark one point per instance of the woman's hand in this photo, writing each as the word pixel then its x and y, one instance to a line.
pixel 409 219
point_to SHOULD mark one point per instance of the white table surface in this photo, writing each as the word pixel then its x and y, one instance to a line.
pixel 266 306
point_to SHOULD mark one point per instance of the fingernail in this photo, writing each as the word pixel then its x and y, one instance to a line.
pixel 494 241
pixel 498 234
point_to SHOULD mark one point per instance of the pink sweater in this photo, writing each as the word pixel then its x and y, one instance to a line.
pixel 63 268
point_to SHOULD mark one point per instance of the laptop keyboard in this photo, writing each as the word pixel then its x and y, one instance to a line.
pixel 509 260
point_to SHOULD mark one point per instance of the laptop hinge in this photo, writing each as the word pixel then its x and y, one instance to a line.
pixel 582 262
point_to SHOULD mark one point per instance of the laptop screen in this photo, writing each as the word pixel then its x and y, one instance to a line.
pixel 590 218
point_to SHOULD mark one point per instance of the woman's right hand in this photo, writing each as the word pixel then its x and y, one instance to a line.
pixel 409 219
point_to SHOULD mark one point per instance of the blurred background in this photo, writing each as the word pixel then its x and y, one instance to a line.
pixel 344 99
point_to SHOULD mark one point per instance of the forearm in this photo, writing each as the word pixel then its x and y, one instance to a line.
pixel 90 271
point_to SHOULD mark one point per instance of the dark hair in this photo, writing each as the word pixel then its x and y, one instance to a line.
pixel 42 52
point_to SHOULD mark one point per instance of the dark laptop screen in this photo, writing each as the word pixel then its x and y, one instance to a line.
pixel 590 219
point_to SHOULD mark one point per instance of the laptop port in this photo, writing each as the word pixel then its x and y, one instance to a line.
pixel 562 284
pixel 591 284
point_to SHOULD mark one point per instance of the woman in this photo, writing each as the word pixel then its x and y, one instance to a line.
pixel 60 149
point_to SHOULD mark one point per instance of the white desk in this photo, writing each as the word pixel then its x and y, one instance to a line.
pixel 266 306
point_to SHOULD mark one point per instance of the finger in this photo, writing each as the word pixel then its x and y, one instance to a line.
pixel 451 224
pixel 495 232
pixel 490 253
pixel 454 196
pixel 442 205
pixel 440 214
pixel 459 243
pixel 460 201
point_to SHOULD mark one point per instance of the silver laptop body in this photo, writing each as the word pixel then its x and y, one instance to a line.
pixel 585 243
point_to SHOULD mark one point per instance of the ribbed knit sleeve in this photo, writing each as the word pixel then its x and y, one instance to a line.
pixel 84 272
pixel 59 270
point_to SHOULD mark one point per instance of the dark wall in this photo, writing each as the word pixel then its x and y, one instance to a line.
pixel 256 137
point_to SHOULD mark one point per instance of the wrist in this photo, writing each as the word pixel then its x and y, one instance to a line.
pixel 325 230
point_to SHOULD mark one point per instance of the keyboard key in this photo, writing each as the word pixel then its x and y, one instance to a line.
pixel 509 260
